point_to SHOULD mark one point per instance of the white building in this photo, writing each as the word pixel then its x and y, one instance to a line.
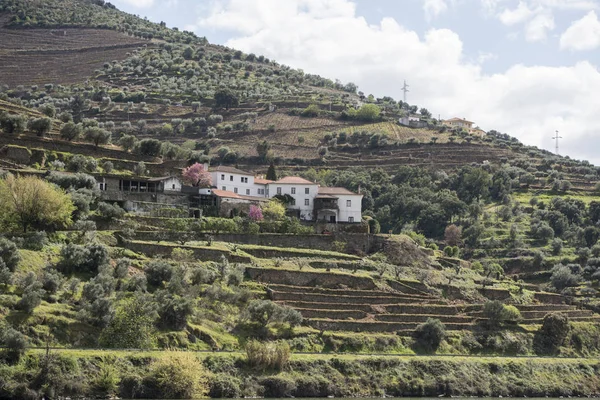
pixel 233 180
pixel 302 191
pixel 337 204
pixel 310 201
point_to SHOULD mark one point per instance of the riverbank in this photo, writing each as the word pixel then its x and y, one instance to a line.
pixel 132 374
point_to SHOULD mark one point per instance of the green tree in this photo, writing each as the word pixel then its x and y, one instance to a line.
pixel 226 98
pixel 29 201
pixel 368 113
pixel 429 335
pixel 70 131
pixel 272 173
pixel 274 210
pixel 40 126
pixel 552 334
pixel 128 142
pixel 132 325
pixel 97 135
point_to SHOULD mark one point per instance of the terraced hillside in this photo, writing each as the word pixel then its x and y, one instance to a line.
pixel 58 56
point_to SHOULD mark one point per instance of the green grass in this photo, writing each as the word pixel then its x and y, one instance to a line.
pixel 31 261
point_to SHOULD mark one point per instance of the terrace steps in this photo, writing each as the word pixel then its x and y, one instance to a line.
pixel 342 299
pixel 349 292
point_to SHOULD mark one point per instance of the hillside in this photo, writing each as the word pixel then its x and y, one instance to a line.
pixel 469 245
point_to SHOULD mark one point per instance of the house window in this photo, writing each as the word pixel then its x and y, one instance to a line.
pixel 231 178
pixel 348 203
pixel 248 192
pixel 293 190
pixel 261 191
pixel 293 202
pixel 222 177
pixel 307 202
pixel 278 190
pixel 244 180
pixel 306 190
pixel 173 186
pixel 350 219
pixel 234 190
pixel 224 188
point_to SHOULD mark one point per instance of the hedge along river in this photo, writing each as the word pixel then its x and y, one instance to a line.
pixel 186 375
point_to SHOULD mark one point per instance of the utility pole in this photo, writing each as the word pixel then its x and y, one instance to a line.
pixel 556 138
pixel 405 90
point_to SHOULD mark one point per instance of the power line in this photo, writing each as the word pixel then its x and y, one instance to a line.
pixel 556 138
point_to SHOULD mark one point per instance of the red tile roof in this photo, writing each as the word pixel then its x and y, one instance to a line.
pixel 231 195
pixel 294 180
pixel 231 170
pixel 336 191
pixel 260 181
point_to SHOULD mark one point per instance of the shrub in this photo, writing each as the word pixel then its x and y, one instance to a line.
pixel 30 299
pixel 75 258
pixel 158 271
pixel 368 113
pixel 9 254
pixel 40 126
pixel 177 376
pixel 140 169
pixel 563 277
pixel 267 355
pixel 35 241
pixel 266 311
pixel 150 147
pixel 552 333
pixel 429 335
pixel 132 325
pixel 174 310
pixel 15 344
pixel 225 386
pixel 110 211
pixel 70 131
pixel 278 386
pixel 498 313
pixel 11 123
pixel 107 379
pixel 311 111
pixel 108 166
pixel 313 386
pixel 274 210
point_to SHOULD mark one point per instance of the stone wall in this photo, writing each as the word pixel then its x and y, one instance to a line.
pixel 354 242
pixel 201 254
pixel 305 278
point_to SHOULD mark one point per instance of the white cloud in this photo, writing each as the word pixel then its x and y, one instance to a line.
pixel 520 14
pixel 536 15
pixel 583 34
pixel 537 29
pixel 433 8
pixel 328 37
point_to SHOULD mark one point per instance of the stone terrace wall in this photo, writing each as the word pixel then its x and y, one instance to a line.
pixel 202 254
pixel 304 278
pixel 362 242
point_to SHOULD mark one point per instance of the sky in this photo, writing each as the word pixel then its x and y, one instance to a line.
pixel 528 68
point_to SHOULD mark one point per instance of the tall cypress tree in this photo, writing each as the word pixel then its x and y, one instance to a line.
pixel 271 173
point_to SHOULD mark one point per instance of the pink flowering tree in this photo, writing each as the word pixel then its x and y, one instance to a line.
pixel 255 213
pixel 196 175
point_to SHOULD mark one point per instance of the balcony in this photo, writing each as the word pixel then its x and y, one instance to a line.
pixel 326 203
